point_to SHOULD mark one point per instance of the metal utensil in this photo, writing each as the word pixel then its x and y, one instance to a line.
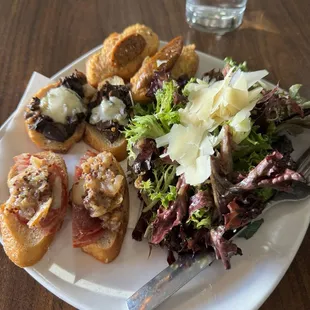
pixel 186 267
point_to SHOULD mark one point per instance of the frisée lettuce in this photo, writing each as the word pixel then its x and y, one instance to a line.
pixel 156 124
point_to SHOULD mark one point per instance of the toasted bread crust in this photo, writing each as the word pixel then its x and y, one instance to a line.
pixel 187 63
pixel 55 146
pixel 168 55
pixel 18 242
pixel 99 142
pixel 50 145
pixel 26 246
pixel 113 240
pixel 111 60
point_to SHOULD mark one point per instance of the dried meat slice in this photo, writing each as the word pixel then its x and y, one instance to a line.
pixel 85 229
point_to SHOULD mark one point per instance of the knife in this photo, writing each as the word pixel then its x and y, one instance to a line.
pixel 169 281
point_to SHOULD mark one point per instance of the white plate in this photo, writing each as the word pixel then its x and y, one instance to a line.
pixel 87 284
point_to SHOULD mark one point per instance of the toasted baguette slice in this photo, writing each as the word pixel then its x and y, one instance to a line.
pixel 23 245
pixel 99 142
pixel 187 63
pixel 122 54
pixel 108 247
pixel 164 59
pixel 50 145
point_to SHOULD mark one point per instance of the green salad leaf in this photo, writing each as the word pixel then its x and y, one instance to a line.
pixel 161 188
pixel 165 111
pixel 201 218
pixel 265 193
pixel 146 126
pixel 252 150
pixel 186 89
pixel 233 64
pixel 294 94
pixel 153 120
pixel 251 229
pixel 142 109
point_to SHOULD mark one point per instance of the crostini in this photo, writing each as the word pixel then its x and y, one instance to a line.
pixel 122 54
pixel 100 206
pixel 187 63
pixel 164 59
pixel 36 208
pixel 108 113
pixel 55 116
pixel 174 58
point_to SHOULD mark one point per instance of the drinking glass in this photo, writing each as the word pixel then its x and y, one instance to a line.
pixel 217 16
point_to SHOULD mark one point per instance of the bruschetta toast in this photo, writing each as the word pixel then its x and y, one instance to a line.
pixel 122 54
pixel 164 59
pixel 36 208
pixel 174 58
pixel 108 114
pixel 55 116
pixel 100 206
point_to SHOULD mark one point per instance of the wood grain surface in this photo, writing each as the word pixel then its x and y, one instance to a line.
pixel 44 36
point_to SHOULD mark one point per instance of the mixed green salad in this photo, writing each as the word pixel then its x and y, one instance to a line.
pixel 208 153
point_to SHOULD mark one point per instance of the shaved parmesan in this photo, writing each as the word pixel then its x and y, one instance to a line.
pixel 211 105
pixel 253 77
pixel 241 123
pixel 192 142
pixel 198 172
pixel 191 149
pixel 184 144
pixel 200 84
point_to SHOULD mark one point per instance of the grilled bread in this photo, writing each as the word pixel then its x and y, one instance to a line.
pixel 28 225
pixel 100 206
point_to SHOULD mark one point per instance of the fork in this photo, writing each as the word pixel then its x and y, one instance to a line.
pixel 186 267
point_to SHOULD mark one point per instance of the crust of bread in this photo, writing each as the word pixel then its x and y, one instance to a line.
pixel 168 55
pixel 26 246
pixel 99 142
pixel 110 59
pixel 55 146
pixel 187 63
pixel 108 247
pixel 22 245
pixel 95 69
pixel 50 145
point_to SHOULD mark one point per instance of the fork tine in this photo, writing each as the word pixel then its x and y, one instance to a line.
pixel 304 167
pixel 303 164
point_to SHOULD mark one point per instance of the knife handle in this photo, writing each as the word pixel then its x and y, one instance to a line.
pixel 169 281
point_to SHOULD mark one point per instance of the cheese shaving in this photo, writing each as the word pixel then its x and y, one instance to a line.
pixel 192 142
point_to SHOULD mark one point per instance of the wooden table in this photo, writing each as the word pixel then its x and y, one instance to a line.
pixel 45 36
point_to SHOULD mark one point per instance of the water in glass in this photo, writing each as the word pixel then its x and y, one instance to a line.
pixel 218 16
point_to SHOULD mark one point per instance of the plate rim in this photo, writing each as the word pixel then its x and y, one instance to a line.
pixel 65 297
